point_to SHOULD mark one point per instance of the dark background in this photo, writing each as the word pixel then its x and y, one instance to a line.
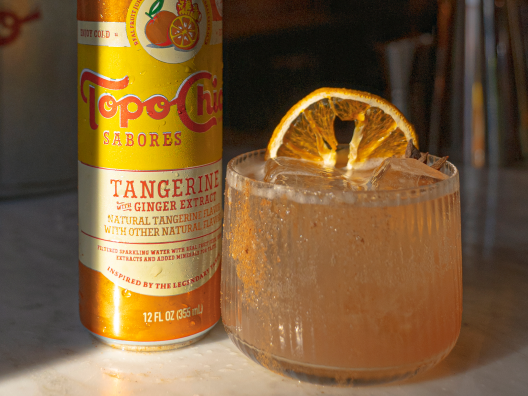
pixel 276 52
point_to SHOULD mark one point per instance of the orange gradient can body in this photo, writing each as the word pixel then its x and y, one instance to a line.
pixel 150 170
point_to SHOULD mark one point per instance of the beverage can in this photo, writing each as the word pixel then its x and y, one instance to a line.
pixel 150 170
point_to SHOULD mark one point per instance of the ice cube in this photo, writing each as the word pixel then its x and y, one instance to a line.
pixel 400 173
pixel 297 173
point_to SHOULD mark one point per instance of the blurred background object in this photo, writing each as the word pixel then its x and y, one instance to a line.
pixel 38 110
pixel 494 81
pixel 456 68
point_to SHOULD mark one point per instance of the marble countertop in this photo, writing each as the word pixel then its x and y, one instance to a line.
pixel 44 350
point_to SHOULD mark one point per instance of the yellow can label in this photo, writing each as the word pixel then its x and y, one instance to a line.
pixel 144 106
pixel 150 149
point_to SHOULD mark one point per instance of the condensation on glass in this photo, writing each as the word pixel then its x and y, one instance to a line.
pixel 346 288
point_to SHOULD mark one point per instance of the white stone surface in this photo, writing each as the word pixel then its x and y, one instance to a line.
pixel 44 350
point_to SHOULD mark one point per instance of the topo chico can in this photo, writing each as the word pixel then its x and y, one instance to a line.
pixel 150 164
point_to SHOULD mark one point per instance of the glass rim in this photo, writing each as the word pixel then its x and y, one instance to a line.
pixel 235 178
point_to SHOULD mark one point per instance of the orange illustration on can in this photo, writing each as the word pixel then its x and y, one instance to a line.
pixel 150 150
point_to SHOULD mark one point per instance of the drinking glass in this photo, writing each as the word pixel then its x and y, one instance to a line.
pixel 341 287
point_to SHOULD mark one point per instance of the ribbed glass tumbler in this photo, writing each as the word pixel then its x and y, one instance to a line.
pixel 344 288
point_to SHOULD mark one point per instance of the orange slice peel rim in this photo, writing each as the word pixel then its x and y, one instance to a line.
pixel 327 152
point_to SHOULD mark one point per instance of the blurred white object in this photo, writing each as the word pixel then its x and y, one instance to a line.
pixel 38 111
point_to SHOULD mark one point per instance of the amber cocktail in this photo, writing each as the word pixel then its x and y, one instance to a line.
pixel 341 282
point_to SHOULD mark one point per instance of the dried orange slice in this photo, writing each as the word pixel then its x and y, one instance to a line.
pixel 184 32
pixel 307 130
